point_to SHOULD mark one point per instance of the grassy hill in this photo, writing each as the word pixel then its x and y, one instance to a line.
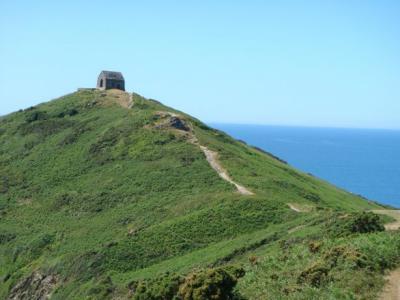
pixel 105 195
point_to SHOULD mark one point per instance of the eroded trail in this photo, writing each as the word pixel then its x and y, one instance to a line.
pixel 394 213
pixel 391 290
pixel 179 124
pixel 212 158
pixel 122 98
pixel 294 207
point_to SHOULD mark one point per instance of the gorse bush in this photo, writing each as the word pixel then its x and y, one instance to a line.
pixel 364 222
pixel 214 283
pixel 163 287
pixel 211 284
pixel 36 116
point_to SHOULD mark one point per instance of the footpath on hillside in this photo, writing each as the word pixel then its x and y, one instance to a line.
pixel 391 291
pixel 394 213
pixel 212 158
pixel 125 100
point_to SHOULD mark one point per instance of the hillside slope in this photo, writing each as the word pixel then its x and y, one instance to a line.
pixel 102 190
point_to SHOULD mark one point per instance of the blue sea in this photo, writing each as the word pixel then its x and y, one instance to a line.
pixel 362 161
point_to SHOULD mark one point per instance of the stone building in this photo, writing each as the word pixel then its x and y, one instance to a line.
pixel 111 80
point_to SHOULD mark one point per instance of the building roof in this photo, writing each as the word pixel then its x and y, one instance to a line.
pixel 111 75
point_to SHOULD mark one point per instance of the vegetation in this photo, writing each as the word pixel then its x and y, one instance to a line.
pixel 213 283
pixel 105 203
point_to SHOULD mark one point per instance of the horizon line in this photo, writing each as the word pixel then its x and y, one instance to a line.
pixel 303 126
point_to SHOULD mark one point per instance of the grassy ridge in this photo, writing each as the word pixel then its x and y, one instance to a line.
pixel 100 195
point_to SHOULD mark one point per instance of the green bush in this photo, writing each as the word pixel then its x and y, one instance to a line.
pixel 165 286
pixel 213 283
pixel 345 255
pixel 210 284
pixel 36 116
pixel 364 222
pixel 68 112
pixel 315 275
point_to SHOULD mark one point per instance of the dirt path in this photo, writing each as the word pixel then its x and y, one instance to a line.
pixel 391 290
pixel 122 98
pixel 126 99
pixel 293 207
pixel 391 213
pixel 185 129
pixel 130 100
pixel 300 208
pixel 212 158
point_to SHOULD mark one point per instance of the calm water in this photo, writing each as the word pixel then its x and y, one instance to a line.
pixel 363 161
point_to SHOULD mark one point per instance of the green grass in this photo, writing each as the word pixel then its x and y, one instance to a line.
pixel 98 195
pixel 344 268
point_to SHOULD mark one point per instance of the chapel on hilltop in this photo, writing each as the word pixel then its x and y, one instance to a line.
pixel 111 80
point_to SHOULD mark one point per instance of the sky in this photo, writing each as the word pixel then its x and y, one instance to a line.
pixel 307 63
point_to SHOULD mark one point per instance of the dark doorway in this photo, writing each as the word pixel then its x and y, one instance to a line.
pixel 101 82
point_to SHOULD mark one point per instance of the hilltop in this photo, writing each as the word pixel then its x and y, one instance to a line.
pixel 109 195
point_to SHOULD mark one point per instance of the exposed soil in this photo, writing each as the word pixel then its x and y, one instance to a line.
pixel 299 207
pixel 122 98
pixel 391 290
pixel 293 207
pixel 212 158
pixel 394 213
pixel 182 126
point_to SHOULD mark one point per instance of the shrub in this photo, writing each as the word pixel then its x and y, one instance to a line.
pixel 314 246
pixel 36 116
pixel 210 284
pixel 366 222
pixel 68 112
pixel 213 283
pixel 310 196
pixel 315 275
pixel 165 286
pixel 352 257
pixel 344 225
pixel 64 199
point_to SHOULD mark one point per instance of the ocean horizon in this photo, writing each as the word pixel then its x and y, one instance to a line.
pixel 362 161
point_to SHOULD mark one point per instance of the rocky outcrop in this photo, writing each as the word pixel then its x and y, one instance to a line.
pixel 179 124
pixel 36 286
pixel 171 120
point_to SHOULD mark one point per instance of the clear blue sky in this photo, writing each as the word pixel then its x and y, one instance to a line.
pixel 313 63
